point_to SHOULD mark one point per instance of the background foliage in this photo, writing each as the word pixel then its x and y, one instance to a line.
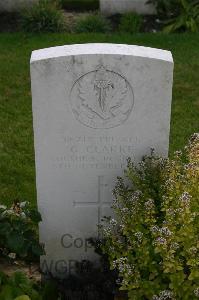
pixel 92 23
pixel 130 22
pixel 44 16
pixel 180 15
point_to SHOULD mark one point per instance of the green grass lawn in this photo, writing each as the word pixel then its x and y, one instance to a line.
pixel 17 168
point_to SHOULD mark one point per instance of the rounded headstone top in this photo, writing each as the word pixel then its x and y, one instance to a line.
pixel 101 48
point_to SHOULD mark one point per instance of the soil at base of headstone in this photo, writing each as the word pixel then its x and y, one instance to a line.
pixel 89 282
pixel 70 288
pixel 31 270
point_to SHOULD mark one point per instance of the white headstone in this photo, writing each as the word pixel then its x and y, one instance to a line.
pixel 94 105
pixel 111 7
pixel 15 5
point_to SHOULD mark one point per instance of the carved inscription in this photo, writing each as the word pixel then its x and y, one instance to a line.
pixel 90 152
pixel 102 99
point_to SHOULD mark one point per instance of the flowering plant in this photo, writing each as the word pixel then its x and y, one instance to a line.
pixel 18 231
pixel 154 241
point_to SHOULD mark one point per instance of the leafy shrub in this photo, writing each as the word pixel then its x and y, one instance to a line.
pixel 80 5
pixel 188 19
pixel 179 14
pixel 92 23
pixel 44 16
pixel 18 232
pixel 166 8
pixel 17 287
pixel 130 22
pixel 154 241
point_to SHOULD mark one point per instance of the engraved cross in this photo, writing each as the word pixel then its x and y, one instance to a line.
pixel 100 203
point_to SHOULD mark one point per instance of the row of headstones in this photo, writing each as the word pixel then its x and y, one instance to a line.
pixel 111 7
pixel 94 105
pixel 107 7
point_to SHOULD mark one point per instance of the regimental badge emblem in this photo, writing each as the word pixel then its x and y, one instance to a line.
pixel 102 99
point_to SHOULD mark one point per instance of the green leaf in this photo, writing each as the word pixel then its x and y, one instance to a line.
pixel 50 291
pixel 3 278
pixel 24 297
pixel 35 216
pixel 19 225
pixel 37 249
pixel 194 275
pixel 6 293
pixel 4 228
pixel 15 242
pixel 19 278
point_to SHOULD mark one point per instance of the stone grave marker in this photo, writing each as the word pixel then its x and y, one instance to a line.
pixel 111 7
pixel 94 105
pixel 15 5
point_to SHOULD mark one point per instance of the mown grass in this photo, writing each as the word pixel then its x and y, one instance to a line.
pixel 17 168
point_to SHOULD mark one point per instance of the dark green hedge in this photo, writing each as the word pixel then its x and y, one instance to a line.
pixel 80 5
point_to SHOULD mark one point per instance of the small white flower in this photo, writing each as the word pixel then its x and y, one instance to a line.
pixel 164 295
pixel 122 226
pixel 124 282
pixel 185 199
pixel 123 266
pixel 142 164
pixel 175 246
pixel 178 210
pixel 125 210
pixel 170 183
pixel 190 166
pixel 112 249
pixel 137 194
pixel 8 212
pixel 165 231
pixel 113 222
pixel 194 137
pixel 149 205
pixel 12 255
pixel 107 231
pixel 23 215
pixel 193 250
pixel 3 207
pixel 171 212
pixel 161 241
pixel 178 153
pixel 165 222
pixel 139 236
pixel 196 292
pixel 154 229
pixel 22 204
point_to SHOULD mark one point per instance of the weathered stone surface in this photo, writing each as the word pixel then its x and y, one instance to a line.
pixel 94 105
pixel 15 5
pixel 111 7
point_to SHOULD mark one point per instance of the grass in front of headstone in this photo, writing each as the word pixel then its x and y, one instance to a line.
pixel 17 168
